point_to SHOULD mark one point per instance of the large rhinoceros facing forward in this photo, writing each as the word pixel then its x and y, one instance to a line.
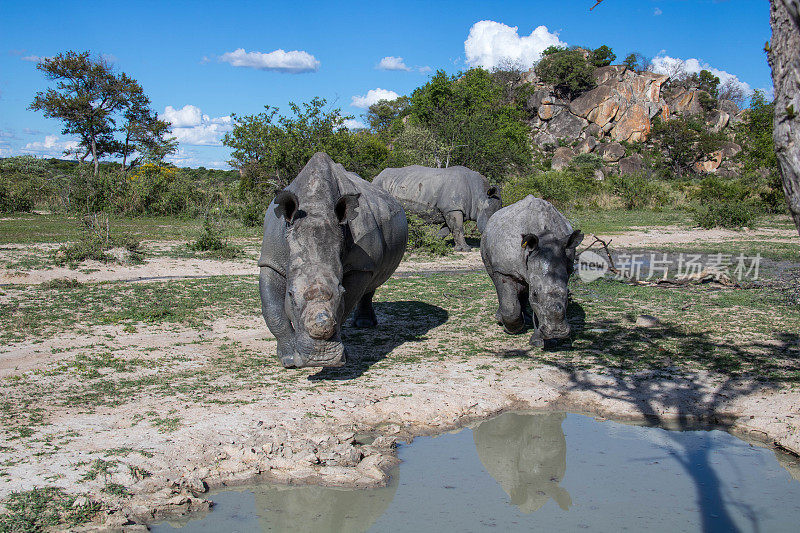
pixel 447 196
pixel 528 249
pixel 330 239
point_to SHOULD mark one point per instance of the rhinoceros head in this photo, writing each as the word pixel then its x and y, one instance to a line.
pixel 314 293
pixel 489 205
pixel 549 263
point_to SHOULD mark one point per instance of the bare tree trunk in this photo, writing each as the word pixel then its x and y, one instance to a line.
pixel 784 59
pixel 94 157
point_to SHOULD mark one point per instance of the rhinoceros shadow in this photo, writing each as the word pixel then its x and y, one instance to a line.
pixel 399 323
pixel 527 455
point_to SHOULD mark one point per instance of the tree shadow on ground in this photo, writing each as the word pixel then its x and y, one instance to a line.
pixel 403 322
pixel 646 372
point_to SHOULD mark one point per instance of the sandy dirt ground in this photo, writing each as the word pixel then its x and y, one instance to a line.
pixel 317 428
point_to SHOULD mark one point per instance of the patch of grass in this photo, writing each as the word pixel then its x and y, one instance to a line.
pixel 99 467
pixel 60 283
pixel 166 424
pixel 116 489
pixel 42 508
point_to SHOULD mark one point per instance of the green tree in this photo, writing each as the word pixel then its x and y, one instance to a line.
pixel 89 99
pixel 567 70
pixel 471 122
pixel 86 97
pixel 602 56
pixel 754 134
pixel 383 114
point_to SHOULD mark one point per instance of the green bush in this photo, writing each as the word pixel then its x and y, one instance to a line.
pixel 568 71
pixel 251 214
pixel 726 214
pixel 636 191
pixel 561 188
pixel 212 241
pixel 424 238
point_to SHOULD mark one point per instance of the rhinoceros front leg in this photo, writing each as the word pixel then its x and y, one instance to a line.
pixel 272 287
pixel 509 314
pixel 455 221
pixel 364 317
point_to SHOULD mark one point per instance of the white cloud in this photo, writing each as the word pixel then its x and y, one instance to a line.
pixel 373 96
pixel 293 62
pixel 392 63
pixel 51 146
pixel 190 126
pixel 424 69
pixel 353 124
pixel 657 12
pixel 492 44
pixel 673 66
pixel 32 59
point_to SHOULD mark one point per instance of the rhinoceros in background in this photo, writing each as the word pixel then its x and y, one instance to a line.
pixel 330 239
pixel 447 196
pixel 528 249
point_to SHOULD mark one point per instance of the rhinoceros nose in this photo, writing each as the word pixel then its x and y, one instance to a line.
pixel 321 325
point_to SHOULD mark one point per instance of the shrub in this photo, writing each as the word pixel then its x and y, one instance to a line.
pixel 726 214
pixel 251 214
pixel 725 203
pixel 567 70
pixel 424 238
pixel 213 242
pixel 636 191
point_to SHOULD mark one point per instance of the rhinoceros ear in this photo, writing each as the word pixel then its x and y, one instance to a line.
pixel 574 240
pixel 492 192
pixel 287 205
pixel 346 207
pixel 530 241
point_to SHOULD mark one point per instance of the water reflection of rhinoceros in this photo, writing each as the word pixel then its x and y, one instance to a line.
pixel 321 509
pixel 527 455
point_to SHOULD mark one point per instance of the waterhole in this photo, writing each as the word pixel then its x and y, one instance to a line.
pixel 539 472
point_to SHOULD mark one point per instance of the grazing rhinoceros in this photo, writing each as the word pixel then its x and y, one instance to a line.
pixel 330 239
pixel 447 196
pixel 528 249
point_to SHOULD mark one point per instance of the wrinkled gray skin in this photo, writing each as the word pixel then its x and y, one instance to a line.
pixel 330 239
pixel 528 249
pixel 447 196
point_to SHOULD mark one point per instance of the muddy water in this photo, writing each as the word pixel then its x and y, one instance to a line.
pixel 544 472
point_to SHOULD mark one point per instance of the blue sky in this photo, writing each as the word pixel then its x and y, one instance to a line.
pixel 185 53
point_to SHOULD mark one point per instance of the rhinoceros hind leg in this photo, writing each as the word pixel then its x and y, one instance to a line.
pixel 272 287
pixel 364 316
pixel 455 221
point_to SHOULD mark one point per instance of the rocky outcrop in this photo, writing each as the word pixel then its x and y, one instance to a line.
pixel 631 164
pixel 621 108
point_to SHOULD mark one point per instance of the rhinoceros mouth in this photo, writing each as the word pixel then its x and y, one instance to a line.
pixel 315 352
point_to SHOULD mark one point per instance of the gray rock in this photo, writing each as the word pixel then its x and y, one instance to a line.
pixel 593 130
pixel 647 321
pixel 631 164
pixel 566 126
pixel 543 137
pixel 586 145
pixel 561 158
pixel 730 149
pixel 611 152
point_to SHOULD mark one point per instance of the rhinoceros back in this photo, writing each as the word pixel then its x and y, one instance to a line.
pixel 431 192
pixel 500 243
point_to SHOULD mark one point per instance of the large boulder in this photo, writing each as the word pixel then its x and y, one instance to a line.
pixel 609 73
pixel 633 126
pixel 535 100
pixel 730 149
pixel 710 165
pixel 687 102
pixel 565 125
pixel 728 106
pixel 561 158
pixel 718 119
pixel 543 137
pixel 610 152
pixel 589 101
pixel 631 164
pixel 586 145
